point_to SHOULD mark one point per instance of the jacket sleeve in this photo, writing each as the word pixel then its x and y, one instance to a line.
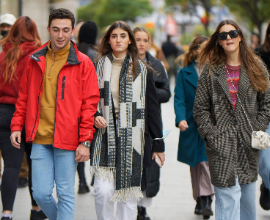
pixel 18 119
pixel 90 99
pixel 162 84
pixel 202 107
pixel 263 115
pixel 153 114
pixel 179 99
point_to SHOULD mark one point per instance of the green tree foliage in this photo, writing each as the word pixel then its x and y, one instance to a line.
pixel 105 12
pixel 189 6
pixel 255 12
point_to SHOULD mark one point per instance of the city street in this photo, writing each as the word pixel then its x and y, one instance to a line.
pixel 174 200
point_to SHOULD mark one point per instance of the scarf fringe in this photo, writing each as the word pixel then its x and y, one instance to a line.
pixel 123 195
pixel 105 172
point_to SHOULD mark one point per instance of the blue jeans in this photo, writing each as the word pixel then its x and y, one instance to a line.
pixel 264 165
pixel 51 164
pixel 237 202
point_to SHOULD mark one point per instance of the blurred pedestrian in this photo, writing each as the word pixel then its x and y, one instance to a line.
pixel 157 52
pixel 57 101
pixel 233 90
pixel 264 166
pixel 255 41
pixel 6 22
pixel 22 40
pixel 191 147
pixel 170 51
pixel 128 111
pixel 86 44
pixel 87 39
pixel 150 178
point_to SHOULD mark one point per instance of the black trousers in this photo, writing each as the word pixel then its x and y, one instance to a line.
pixel 12 159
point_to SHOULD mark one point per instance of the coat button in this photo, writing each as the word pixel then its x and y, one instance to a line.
pixel 235 123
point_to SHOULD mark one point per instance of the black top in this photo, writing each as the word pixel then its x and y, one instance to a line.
pixel 265 56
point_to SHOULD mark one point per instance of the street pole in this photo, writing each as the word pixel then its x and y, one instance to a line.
pixel 20 8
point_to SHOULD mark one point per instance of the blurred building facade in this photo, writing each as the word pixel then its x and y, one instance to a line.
pixel 38 10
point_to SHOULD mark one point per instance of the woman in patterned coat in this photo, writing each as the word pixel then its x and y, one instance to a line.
pixel 232 68
pixel 128 111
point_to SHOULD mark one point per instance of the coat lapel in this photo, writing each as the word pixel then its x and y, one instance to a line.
pixel 244 84
pixel 192 76
pixel 222 80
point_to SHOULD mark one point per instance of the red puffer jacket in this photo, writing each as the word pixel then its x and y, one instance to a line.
pixel 77 98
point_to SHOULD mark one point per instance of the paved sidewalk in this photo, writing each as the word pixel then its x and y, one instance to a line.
pixel 173 202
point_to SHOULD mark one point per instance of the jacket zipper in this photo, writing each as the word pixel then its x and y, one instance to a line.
pixel 63 86
pixel 55 108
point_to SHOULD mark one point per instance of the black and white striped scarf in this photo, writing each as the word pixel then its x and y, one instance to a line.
pixel 121 156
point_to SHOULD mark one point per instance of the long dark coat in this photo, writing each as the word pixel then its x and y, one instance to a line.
pixel 151 171
pixel 191 147
pixel 226 131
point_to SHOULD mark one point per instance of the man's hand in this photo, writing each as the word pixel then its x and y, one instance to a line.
pixel 82 153
pixel 161 156
pixel 15 138
pixel 100 122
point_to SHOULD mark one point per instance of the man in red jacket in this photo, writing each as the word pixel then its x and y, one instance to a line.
pixel 57 101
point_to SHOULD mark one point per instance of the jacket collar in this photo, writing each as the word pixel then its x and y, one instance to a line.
pixel 192 75
pixel 72 59
pixel 149 57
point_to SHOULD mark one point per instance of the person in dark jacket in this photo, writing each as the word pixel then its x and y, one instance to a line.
pixel 264 166
pixel 87 40
pixel 171 51
pixel 128 114
pixel 191 147
pixel 150 177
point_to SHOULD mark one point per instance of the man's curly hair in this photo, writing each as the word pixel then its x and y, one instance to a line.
pixel 61 13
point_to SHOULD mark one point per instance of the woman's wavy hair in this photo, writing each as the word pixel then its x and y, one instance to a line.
pixel 214 54
pixel 188 57
pixel 105 47
pixel 23 30
pixel 266 43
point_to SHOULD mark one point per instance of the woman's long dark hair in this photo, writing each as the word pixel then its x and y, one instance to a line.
pixel 214 54
pixel 266 43
pixel 188 57
pixel 23 30
pixel 105 47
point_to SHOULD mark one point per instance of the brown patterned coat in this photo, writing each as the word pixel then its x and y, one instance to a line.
pixel 226 131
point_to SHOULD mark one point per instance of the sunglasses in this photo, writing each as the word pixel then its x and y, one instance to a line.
pixel 232 34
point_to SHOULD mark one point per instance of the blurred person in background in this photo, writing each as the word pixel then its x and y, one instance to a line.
pixel 6 22
pixel 170 51
pixel 150 178
pixel 87 39
pixel 128 112
pixel 264 166
pixel 86 44
pixel 22 40
pixel 157 52
pixel 232 99
pixel 191 147
pixel 255 41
